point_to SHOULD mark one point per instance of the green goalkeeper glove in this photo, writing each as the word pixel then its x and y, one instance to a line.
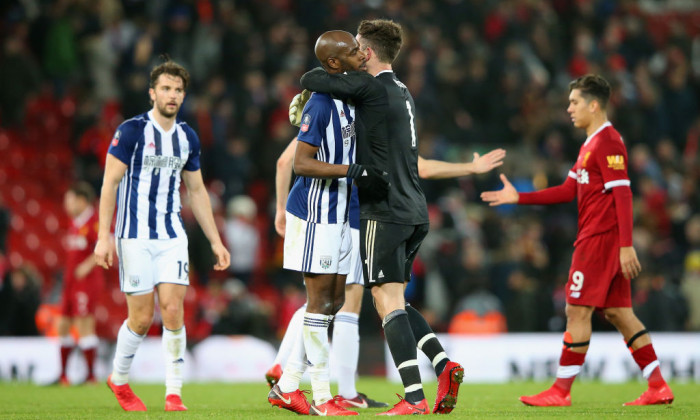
pixel 296 107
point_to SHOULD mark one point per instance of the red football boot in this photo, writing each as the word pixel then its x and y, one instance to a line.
pixel 330 408
pixel 448 388
pixel 549 398
pixel 652 396
pixel 173 402
pixel 273 375
pixel 126 397
pixel 404 407
pixel 293 401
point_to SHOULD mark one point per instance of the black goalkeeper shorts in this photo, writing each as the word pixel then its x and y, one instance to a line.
pixel 388 250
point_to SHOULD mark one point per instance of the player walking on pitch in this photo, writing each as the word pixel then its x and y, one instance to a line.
pixel 147 159
pixel 604 260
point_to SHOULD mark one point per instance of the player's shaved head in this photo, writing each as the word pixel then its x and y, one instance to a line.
pixel 332 46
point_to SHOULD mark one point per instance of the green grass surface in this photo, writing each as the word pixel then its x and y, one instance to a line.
pixel 248 401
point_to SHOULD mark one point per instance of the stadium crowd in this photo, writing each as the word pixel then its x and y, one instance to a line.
pixel 484 74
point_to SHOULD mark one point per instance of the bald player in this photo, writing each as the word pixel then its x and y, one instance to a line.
pixel 317 239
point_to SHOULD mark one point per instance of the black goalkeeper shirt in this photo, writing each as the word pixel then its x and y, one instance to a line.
pixel 386 138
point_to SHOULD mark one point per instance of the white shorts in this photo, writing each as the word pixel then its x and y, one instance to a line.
pixel 145 263
pixel 355 275
pixel 316 247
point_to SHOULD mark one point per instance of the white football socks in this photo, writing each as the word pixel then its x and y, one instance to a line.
pixel 345 352
pixel 174 346
pixel 293 370
pixel 317 353
pixel 127 344
pixel 290 336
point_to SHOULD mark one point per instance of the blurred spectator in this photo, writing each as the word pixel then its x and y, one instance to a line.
pixel 19 301
pixel 245 314
pixel 19 76
pixel 242 237
pixel 690 283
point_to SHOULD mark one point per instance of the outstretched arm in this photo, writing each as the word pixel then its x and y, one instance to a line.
pixel 283 177
pixel 553 195
pixel 436 169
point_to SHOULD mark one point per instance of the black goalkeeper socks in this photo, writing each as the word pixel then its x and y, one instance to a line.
pixel 426 340
pixel 402 346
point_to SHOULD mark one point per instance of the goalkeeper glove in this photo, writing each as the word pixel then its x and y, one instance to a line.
pixel 372 181
pixel 296 107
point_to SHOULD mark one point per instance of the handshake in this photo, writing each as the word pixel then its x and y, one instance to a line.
pixel 372 182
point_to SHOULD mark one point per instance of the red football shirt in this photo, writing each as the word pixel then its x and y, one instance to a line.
pixel 601 166
pixel 80 243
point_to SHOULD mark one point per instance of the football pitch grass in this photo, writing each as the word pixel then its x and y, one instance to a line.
pixel 591 400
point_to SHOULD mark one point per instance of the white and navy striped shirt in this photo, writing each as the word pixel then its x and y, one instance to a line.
pixel 328 124
pixel 148 199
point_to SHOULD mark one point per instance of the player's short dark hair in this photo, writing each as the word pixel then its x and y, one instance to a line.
pixel 172 68
pixel 592 86
pixel 383 36
pixel 83 189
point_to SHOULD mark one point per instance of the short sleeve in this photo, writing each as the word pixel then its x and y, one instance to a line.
pixel 124 141
pixel 314 120
pixel 192 163
pixel 611 156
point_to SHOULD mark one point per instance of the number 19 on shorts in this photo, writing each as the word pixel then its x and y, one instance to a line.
pixel 182 268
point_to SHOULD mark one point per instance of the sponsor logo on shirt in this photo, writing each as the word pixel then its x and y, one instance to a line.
pixel 157 162
pixel 616 162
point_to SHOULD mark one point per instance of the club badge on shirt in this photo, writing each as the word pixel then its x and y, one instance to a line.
pixel 305 122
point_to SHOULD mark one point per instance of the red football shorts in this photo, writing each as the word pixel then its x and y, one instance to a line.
pixel 80 297
pixel 595 277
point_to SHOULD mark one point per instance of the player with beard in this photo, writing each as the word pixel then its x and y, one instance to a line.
pixel 147 159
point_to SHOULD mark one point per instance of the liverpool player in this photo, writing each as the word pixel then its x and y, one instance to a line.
pixel 82 282
pixel 604 260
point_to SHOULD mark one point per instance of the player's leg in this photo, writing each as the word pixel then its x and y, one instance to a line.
pixel 88 343
pixel 67 344
pixel 137 282
pixel 639 342
pixel 171 298
pixel 64 322
pixel 449 374
pixel 323 303
pixel 345 350
pixel 273 375
pixel 383 252
pixel 573 354
pixel 129 338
